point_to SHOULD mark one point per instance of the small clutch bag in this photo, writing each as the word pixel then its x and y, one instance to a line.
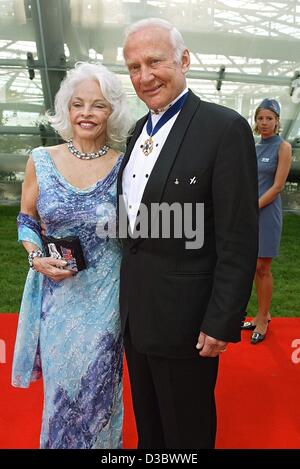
pixel 68 249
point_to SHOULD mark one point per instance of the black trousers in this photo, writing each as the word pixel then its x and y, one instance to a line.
pixel 173 400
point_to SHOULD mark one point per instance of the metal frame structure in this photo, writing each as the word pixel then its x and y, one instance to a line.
pixel 242 51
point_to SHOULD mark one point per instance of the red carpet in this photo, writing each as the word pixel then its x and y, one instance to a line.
pixel 257 393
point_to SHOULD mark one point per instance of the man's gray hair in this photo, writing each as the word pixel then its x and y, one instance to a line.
pixel 119 122
pixel 175 36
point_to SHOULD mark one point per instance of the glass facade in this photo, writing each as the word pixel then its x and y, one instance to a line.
pixel 241 51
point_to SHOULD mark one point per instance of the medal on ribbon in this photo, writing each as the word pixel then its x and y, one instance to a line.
pixel 148 144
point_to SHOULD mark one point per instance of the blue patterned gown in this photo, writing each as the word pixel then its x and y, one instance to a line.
pixel 80 342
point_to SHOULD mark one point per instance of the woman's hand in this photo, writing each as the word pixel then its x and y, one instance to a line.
pixel 52 268
pixel 43 229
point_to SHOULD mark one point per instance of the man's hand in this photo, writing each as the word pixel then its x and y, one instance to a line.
pixel 210 347
pixel 52 268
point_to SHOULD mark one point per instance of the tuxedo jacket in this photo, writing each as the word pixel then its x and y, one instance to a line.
pixel 169 293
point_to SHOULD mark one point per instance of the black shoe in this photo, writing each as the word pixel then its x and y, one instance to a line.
pixel 248 326
pixel 257 337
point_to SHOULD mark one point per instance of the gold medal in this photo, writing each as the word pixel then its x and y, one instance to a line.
pixel 147 147
pixel 172 110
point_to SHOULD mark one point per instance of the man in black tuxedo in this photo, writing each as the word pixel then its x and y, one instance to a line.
pixel 182 303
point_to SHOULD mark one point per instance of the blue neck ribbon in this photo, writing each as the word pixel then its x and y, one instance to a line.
pixel 166 116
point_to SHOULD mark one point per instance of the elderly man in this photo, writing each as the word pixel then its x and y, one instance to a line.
pixel 182 303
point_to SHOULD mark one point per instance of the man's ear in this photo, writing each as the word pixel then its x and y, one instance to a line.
pixel 185 61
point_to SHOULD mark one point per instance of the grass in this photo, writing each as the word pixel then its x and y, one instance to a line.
pixel 286 273
pixel 286 268
pixel 14 265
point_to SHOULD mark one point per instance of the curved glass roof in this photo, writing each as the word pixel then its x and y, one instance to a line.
pixel 241 51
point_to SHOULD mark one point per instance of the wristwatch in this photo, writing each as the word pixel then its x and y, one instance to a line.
pixel 32 255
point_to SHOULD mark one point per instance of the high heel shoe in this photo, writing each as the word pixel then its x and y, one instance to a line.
pixel 248 326
pixel 257 337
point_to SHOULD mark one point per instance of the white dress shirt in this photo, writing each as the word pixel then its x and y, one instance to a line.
pixel 139 166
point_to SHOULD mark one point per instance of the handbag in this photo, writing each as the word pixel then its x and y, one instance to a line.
pixel 68 249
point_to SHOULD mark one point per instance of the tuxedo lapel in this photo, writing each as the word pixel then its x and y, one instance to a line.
pixel 137 130
pixel 121 209
pixel 156 184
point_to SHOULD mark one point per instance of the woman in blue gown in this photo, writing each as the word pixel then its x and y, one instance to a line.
pixel 69 322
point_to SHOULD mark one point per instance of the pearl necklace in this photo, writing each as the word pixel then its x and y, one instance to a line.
pixel 87 156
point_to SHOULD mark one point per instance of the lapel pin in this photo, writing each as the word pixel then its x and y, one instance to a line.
pixel 176 181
